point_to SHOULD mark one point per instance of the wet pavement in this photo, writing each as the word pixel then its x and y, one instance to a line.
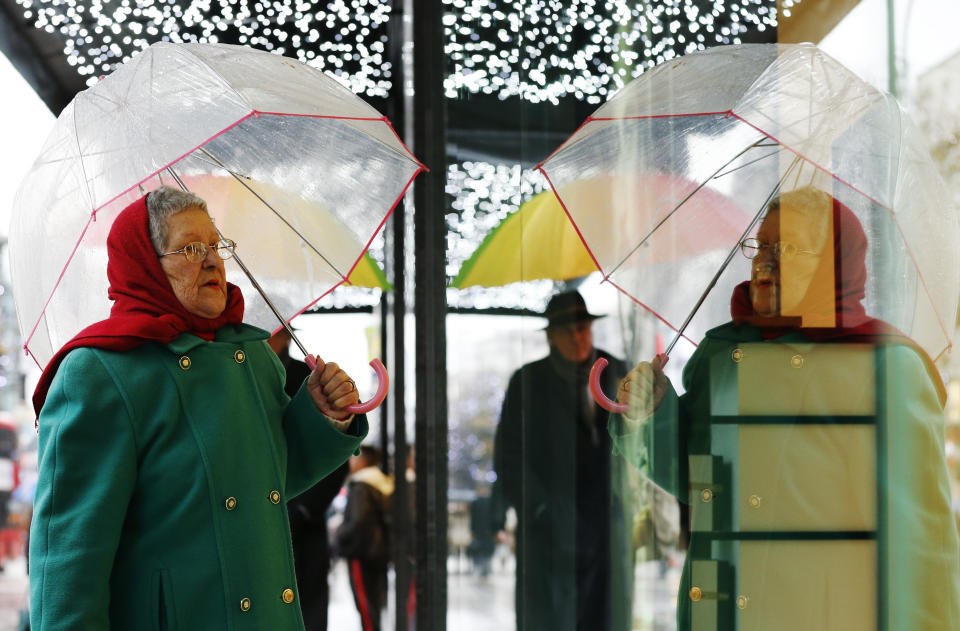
pixel 475 603
pixel 478 603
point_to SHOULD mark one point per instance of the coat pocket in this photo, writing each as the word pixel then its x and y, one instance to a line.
pixel 164 612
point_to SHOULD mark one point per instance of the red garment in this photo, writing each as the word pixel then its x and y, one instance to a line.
pixel 849 271
pixel 145 309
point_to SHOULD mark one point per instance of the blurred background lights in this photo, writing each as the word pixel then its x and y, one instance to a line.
pixel 346 38
pixel 559 43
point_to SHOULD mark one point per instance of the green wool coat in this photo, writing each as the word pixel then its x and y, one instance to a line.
pixel 817 483
pixel 164 473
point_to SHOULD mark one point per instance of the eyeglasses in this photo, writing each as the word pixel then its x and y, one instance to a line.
pixel 781 249
pixel 197 251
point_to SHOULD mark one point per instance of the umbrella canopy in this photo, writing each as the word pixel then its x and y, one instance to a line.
pixel 750 122
pixel 238 209
pixel 295 167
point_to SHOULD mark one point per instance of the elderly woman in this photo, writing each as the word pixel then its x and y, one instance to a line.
pixel 808 445
pixel 168 448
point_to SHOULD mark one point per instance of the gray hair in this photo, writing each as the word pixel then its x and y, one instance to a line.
pixel 163 203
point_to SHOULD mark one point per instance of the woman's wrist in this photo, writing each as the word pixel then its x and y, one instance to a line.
pixel 341 426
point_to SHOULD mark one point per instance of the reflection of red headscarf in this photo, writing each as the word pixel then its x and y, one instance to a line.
pixel 145 309
pixel 850 279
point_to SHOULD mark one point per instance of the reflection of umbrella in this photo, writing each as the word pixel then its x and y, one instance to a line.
pixel 536 242
pixel 326 167
pixel 751 121
pixel 539 241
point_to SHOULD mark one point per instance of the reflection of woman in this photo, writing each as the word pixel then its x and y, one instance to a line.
pixel 168 448
pixel 809 445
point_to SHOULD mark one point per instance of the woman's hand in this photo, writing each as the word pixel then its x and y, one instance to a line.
pixel 332 390
pixel 643 389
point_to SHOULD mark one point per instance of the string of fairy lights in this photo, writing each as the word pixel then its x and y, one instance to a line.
pixel 545 50
pixel 347 38
pixel 541 50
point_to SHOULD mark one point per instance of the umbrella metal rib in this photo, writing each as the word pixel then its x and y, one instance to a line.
pixel 746 164
pixel 730 255
pixel 682 202
pixel 274 210
pixel 253 281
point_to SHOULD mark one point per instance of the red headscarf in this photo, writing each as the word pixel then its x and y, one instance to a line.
pixel 145 309
pixel 849 271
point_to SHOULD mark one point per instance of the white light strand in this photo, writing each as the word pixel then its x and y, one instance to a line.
pixel 346 39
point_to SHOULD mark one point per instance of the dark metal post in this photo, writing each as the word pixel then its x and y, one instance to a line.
pixel 396 304
pixel 394 312
pixel 429 124
pixel 384 409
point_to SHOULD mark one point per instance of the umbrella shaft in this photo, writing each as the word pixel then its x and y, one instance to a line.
pixel 263 294
pixel 730 255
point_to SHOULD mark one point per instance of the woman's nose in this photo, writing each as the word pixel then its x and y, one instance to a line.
pixel 210 258
pixel 766 256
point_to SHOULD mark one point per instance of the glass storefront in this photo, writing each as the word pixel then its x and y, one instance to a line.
pixel 798 472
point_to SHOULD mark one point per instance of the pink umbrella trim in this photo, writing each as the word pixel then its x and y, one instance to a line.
pixel 56 285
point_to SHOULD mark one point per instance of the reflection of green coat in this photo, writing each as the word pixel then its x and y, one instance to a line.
pixel 555 467
pixel 164 476
pixel 797 458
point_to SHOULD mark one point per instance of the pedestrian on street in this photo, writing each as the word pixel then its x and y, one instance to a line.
pixel 555 465
pixel 363 538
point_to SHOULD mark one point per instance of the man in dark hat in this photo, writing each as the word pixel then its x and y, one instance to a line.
pixel 554 465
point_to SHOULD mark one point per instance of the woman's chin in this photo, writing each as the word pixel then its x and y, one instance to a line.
pixel 764 302
pixel 209 311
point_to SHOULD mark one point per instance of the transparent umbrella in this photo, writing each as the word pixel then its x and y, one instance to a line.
pixel 296 165
pixel 752 122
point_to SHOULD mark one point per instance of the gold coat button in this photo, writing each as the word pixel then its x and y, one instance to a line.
pixel 695 594
pixel 706 495
pixel 185 363
pixel 244 604
pixel 287 595
pixel 797 361
pixel 742 602
pixel 755 501
pixel 231 503
pixel 274 497
pixel 239 356
pixel 737 355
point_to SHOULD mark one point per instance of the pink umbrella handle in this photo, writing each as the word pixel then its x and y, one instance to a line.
pixel 382 386
pixel 383 383
pixel 597 391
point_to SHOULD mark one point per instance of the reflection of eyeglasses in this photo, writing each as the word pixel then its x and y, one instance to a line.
pixel 781 249
pixel 197 251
